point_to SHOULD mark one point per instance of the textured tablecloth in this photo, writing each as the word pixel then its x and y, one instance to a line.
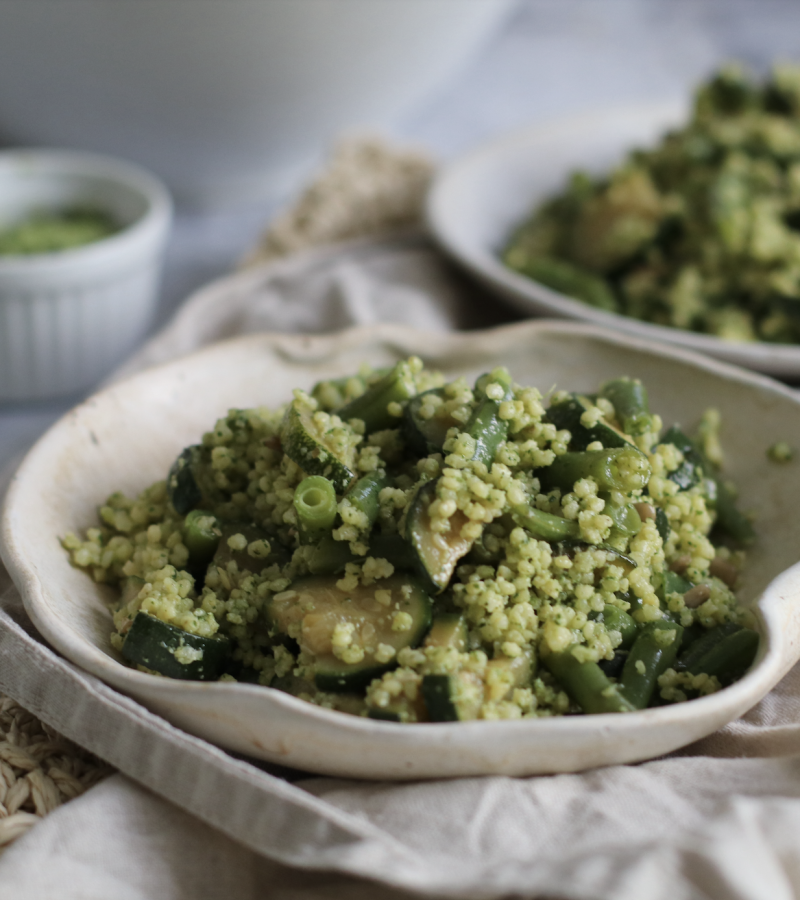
pixel 185 820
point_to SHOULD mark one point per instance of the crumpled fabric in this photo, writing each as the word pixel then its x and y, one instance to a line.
pixel 717 821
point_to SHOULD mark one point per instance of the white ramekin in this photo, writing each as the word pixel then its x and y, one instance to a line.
pixel 67 318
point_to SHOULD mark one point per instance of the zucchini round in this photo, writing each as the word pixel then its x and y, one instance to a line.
pixel 159 646
pixel 394 612
pixel 305 444
pixel 435 554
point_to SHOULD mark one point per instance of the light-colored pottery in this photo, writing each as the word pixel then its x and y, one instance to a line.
pixel 477 200
pixel 127 436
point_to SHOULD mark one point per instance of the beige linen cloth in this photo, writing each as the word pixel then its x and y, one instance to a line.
pixel 183 819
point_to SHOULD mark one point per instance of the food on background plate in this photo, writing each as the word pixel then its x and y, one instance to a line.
pixel 396 546
pixel 47 232
pixel 700 232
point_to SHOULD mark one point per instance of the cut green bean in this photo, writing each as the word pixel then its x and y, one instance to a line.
pixel 651 654
pixel 567 279
pixel 586 683
pixel 544 525
pixel 363 495
pixel 485 424
pixel 372 407
pixel 704 644
pixel 201 534
pixel 616 619
pixel 618 469
pixel 625 518
pixel 729 658
pixel 315 503
pixel 629 398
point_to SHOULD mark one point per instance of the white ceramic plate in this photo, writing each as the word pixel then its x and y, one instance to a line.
pixel 478 199
pixel 127 436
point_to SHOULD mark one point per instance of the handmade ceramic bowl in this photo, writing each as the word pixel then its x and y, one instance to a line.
pixel 478 199
pixel 126 437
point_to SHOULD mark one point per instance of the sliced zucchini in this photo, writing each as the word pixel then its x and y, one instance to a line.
pixel 452 698
pixel 567 416
pixel 448 630
pixel 425 436
pixel 183 487
pixel 309 447
pixel 173 652
pixel 394 612
pixel 436 554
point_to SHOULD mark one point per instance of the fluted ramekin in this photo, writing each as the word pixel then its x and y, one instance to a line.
pixel 67 318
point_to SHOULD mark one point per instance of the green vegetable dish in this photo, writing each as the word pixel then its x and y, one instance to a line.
pixel 701 232
pixel 395 546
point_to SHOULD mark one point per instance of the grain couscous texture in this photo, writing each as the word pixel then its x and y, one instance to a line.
pixel 396 546
pixel 700 232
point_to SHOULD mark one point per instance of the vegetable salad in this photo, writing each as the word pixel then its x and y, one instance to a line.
pixel 401 547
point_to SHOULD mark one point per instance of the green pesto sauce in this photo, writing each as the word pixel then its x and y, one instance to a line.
pixel 47 232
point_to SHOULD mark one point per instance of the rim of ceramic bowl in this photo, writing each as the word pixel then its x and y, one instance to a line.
pixel 148 228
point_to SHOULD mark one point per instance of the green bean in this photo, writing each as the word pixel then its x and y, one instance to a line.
pixel 616 619
pixel 629 398
pixel 544 525
pixel 485 424
pixel 201 534
pixel 618 469
pixel 566 279
pixel 372 407
pixel 729 658
pixel 625 518
pixel 363 495
pixel 651 654
pixel 705 643
pixel 586 683
pixel 315 503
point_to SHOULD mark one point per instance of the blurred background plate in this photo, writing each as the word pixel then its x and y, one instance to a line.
pixel 479 198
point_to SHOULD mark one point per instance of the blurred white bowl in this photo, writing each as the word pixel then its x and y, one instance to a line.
pixel 67 318
pixel 224 100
